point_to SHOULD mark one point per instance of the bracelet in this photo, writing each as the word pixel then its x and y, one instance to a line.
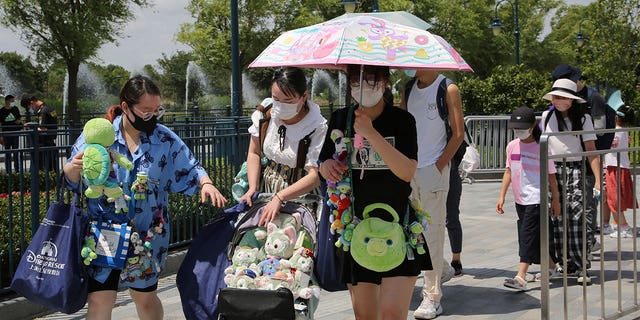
pixel 278 197
pixel 211 183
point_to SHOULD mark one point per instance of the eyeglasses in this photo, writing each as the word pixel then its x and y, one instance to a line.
pixel 369 79
pixel 146 115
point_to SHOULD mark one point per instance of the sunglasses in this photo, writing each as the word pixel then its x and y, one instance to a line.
pixel 147 115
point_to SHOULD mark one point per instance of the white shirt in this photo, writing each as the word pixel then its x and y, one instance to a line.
pixel 432 135
pixel 567 144
pixel 294 133
pixel 620 141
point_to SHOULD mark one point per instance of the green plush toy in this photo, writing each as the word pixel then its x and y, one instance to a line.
pixel 88 251
pixel 97 159
pixel 377 244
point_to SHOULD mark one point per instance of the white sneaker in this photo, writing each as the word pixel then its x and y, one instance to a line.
pixel 449 273
pixel 622 234
pixel 607 229
pixel 428 309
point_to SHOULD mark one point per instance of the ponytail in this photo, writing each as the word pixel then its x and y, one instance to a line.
pixel 537 132
pixel 114 111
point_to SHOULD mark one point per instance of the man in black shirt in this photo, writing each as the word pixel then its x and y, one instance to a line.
pixel 47 129
pixel 10 121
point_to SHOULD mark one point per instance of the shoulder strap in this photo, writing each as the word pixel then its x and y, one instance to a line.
pixel 303 148
pixel 441 101
pixel 407 91
pixel 546 120
pixel 263 124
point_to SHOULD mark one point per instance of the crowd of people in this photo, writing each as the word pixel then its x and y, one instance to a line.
pixel 408 148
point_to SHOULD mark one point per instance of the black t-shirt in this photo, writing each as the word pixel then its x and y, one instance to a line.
pixel 379 184
pixel 8 119
pixel 48 119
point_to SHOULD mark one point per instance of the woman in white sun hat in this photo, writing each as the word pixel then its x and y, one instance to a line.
pixel 565 115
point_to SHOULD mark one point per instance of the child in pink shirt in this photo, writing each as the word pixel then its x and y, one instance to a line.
pixel 523 173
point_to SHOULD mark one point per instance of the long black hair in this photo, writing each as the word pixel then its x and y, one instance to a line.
pixel 576 117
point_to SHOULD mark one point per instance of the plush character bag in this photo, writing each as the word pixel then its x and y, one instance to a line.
pixel 377 244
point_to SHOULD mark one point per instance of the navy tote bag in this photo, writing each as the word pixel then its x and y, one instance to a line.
pixel 51 272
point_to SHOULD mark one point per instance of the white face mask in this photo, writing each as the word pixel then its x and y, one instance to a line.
pixel 522 134
pixel 370 95
pixel 12 104
pixel 284 111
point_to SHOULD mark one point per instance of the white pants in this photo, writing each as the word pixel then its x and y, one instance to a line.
pixel 432 186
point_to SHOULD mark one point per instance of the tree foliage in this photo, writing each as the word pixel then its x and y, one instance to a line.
pixel 30 78
pixel 69 30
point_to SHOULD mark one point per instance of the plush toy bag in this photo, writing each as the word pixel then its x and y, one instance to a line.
pixel 377 244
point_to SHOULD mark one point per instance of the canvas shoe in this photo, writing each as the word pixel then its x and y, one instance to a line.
pixel 449 273
pixel 428 309
pixel 622 234
pixel 606 229
pixel 457 266
pixel 583 276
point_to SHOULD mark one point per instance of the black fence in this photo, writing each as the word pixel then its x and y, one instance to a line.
pixel 29 176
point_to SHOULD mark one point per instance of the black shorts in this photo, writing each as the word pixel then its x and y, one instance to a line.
pixel 112 283
pixel 353 273
pixel 529 233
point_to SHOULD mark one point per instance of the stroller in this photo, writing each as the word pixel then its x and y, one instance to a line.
pixel 212 286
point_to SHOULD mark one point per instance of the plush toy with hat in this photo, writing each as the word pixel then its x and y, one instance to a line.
pixel 98 159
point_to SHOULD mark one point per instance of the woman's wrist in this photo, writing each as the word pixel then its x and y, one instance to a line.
pixel 205 183
pixel 276 196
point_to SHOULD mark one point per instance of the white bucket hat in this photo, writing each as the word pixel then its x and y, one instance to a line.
pixel 564 88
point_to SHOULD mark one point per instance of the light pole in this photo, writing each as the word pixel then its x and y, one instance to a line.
pixel 580 39
pixel 496 26
pixel 350 6
pixel 236 109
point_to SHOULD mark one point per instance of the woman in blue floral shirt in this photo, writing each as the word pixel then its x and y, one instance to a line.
pixel 170 167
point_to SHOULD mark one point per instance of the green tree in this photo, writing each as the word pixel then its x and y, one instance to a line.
pixel 68 30
pixel 173 78
pixel 31 78
pixel 112 76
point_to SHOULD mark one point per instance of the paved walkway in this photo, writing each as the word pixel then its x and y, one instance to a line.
pixel 490 253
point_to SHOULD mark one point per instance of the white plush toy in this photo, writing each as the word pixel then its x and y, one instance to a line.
pixel 243 258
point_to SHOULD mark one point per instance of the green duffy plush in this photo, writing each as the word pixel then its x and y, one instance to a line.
pixel 98 159
pixel 377 244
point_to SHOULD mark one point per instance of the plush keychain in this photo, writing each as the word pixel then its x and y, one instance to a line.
pixel 88 251
pixel 98 160
pixel 140 187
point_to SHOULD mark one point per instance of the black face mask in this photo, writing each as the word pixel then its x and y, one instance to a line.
pixel 141 125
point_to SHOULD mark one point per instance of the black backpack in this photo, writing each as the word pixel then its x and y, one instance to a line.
pixel 605 140
pixel 443 111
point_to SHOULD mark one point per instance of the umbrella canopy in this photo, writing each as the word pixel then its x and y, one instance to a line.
pixel 399 17
pixel 363 40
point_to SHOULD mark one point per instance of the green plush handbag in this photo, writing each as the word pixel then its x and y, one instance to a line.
pixel 377 244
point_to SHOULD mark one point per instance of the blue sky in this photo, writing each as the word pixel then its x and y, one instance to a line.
pixel 151 34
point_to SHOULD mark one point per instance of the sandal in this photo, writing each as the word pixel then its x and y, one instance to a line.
pixel 516 283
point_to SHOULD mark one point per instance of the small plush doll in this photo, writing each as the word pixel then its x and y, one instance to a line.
pixel 245 279
pixel 278 248
pixel 243 258
pixel 88 251
pixel 136 243
pixel 302 263
pixel 98 159
pixel 140 187
pixel 121 203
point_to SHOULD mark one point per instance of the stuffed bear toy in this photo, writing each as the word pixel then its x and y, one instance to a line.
pixel 88 251
pixel 98 159
pixel 243 258
pixel 278 248
pixel 245 279
pixel 140 186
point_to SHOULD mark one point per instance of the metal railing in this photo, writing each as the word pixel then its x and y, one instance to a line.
pixel 30 170
pixel 613 292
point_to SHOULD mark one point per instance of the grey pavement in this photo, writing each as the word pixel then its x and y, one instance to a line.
pixel 490 254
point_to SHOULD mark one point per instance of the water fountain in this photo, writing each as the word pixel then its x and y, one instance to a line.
pixel 194 70
pixel 320 78
pixel 249 92
pixel 65 93
pixel 90 87
pixel 8 84
pixel 342 89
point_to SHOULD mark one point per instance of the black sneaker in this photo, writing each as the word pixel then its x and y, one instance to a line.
pixel 457 266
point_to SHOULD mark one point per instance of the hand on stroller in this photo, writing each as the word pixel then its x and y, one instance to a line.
pixel 270 211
